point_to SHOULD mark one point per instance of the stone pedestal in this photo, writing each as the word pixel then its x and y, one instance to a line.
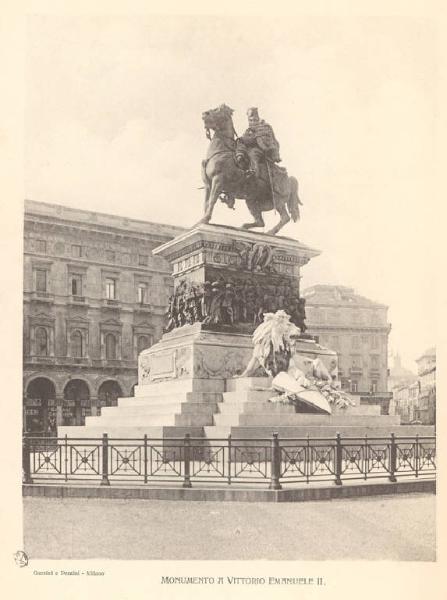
pixel 226 278
pixel 189 381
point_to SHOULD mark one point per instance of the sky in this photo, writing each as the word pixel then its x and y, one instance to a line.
pixel 113 124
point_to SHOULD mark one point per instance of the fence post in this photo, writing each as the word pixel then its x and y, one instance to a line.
pixel 229 458
pixel 187 459
pixel 416 456
pixel 338 460
pixel 393 459
pixel 145 458
pixel 105 460
pixel 26 461
pixel 275 464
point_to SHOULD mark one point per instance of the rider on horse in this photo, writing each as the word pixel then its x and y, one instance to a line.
pixel 260 141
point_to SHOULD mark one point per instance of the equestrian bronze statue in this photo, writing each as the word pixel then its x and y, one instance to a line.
pixel 246 168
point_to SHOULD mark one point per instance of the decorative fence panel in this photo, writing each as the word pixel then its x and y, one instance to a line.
pixel 273 462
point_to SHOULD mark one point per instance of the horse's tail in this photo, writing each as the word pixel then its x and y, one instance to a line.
pixel 293 201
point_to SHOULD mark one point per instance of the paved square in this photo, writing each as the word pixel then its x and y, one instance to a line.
pixel 375 528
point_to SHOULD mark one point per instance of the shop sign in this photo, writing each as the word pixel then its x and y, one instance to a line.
pixel 33 402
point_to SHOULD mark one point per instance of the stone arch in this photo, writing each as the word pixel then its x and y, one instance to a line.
pixel 40 405
pixel 40 375
pixel 76 404
pixel 108 393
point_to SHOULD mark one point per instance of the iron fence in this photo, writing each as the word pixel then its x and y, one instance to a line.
pixel 249 461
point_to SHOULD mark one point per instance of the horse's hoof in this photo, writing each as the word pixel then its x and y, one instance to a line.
pixel 250 225
pixel 201 222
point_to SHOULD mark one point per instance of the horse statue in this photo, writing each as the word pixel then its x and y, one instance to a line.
pixel 225 175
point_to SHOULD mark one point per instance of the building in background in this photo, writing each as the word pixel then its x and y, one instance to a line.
pixel 399 376
pixel 94 298
pixel 416 402
pixel 425 411
pixel 357 329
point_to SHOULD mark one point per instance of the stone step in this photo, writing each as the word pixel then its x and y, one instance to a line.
pixel 217 432
pixel 178 420
pixel 194 397
pixel 120 432
pixel 248 396
pixel 174 386
pixel 200 408
pixel 235 408
pixel 257 401
pixel 358 409
pixel 238 384
pixel 258 419
pixel 315 431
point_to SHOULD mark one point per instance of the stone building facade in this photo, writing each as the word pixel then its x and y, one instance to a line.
pixel 357 329
pixel 400 376
pixel 416 402
pixel 94 297
pixel 425 410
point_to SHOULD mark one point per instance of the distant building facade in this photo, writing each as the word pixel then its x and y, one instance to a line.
pixel 357 329
pixel 416 402
pixel 400 376
pixel 426 406
pixel 94 298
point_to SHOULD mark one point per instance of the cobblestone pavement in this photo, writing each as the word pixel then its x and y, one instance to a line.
pixel 375 528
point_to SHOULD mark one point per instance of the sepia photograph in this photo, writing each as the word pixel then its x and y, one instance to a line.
pixel 228 298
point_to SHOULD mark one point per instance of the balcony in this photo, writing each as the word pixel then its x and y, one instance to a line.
pixel 356 371
pixel 143 307
pixel 42 296
pixel 78 300
pixel 39 360
pixel 110 303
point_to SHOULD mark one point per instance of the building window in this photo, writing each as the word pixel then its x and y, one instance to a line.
pixel 143 342
pixel 76 285
pixel 375 318
pixel 373 387
pixel 41 341
pixel 41 246
pixel 354 386
pixel 142 293
pixel 374 342
pixel 76 251
pixel 375 362
pixel 110 255
pixel 110 289
pixel 41 280
pixel 110 343
pixel 142 259
pixel 365 339
pixel 355 341
pixel 76 344
pixel 356 361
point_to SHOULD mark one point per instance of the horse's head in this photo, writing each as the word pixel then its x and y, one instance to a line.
pixel 217 118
